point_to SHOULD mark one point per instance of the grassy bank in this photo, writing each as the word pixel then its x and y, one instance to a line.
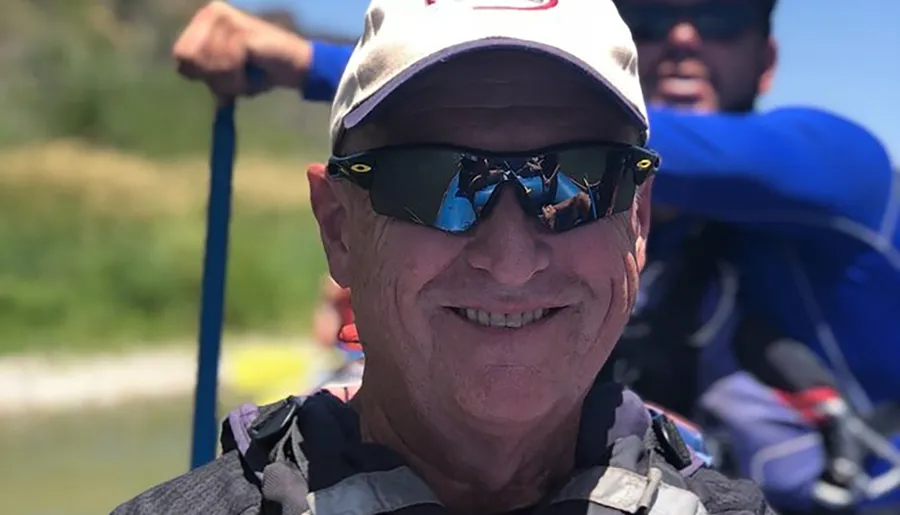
pixel 99 248
pixel 103 182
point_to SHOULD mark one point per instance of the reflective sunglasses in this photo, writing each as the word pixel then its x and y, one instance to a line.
pixel 452 188
pixel 714 21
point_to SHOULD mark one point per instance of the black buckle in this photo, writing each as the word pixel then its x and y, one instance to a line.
pixel 276 423
pixel 670 443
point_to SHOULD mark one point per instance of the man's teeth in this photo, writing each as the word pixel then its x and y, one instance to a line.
pixel 483 317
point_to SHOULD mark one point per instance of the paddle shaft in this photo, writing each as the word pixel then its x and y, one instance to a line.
pixel 212 302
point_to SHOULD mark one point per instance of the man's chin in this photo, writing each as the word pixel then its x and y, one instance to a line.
pixel 507 395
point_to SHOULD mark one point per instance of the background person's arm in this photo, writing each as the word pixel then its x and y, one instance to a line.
pixel 325 70
pixel 780 168
pixel 328 56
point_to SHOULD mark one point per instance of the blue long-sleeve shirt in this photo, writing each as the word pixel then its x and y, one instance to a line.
pixel 815 205
pixel 325 70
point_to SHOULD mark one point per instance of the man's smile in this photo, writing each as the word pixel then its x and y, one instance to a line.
pixel 496 318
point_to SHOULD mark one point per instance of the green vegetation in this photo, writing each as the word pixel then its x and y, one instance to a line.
pixel 113 254
pixel 103 181
pixel 101 72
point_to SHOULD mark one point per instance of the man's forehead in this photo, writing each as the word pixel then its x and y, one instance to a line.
pixel 528 94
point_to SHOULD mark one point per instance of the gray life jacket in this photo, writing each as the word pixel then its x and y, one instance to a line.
pixel 308 458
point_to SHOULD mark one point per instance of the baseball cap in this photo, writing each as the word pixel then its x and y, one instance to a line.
pixel 402 38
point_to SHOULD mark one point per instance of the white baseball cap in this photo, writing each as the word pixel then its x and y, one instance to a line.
pixel 404 37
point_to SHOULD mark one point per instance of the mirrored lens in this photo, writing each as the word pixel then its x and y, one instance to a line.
pixel 452 189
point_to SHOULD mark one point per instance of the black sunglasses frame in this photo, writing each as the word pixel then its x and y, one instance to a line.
pixel 593 192
pixel 358 167
pixel 714 21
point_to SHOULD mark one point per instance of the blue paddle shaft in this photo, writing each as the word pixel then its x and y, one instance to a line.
pixel 212 302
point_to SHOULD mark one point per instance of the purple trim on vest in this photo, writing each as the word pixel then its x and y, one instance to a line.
pixel 632 418
pixel 240 420
pixel 697 463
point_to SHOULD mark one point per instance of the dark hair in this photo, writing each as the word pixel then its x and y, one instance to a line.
pixel 766 7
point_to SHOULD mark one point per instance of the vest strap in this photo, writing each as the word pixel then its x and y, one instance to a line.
pixel 629 492
pixel 372 493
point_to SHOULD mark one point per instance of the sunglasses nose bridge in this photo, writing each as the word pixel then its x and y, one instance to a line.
pixel 525 194
pixel 512 198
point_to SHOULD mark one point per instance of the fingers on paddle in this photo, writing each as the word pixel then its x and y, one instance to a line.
pixel 213 49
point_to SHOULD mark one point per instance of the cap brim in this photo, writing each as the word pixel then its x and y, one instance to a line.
pixel 365 108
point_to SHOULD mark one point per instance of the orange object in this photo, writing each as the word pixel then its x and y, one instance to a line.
pixel 344 308
pixel 348 337
pixel 808 402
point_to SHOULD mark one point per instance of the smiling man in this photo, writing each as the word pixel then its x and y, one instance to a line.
pixel 483 322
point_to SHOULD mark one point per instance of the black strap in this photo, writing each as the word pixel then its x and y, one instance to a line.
pixel 664 438
pixel 272 424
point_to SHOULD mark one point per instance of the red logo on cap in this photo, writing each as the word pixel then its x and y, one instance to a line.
pixel 512 5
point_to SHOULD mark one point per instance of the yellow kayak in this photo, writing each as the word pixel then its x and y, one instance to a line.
pixel 268 372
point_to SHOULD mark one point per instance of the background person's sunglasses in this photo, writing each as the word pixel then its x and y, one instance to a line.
pixel 714 21
pixel 450 188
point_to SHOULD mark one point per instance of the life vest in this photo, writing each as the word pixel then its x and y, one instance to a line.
pixel 308 458
pixel 689 432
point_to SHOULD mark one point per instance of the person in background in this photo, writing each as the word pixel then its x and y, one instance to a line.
pixel 334 329
pixel 797 204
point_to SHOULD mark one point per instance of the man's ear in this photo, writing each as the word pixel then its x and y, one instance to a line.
pixel 770 60
pixel 330 210
pixel 642 218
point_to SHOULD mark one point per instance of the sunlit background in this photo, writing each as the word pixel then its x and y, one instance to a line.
pixel 102 194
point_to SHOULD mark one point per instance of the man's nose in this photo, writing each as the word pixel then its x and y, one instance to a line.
pixel 685 35
pixel 507 244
